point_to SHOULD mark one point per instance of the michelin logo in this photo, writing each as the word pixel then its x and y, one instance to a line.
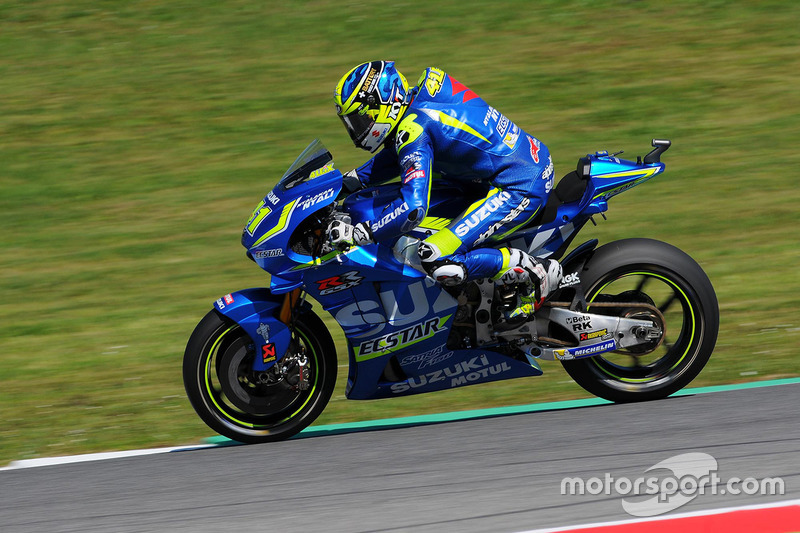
pixel 576 353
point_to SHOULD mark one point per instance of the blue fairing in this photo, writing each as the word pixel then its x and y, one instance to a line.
pixel 389 310
pixel 607 176
pixel 268 234
pixel 256 311
pixel 396 319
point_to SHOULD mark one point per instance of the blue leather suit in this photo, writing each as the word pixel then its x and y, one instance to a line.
pixel 450 131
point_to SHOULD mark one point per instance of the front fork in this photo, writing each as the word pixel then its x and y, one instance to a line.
pixel 291 304
pixel 289 311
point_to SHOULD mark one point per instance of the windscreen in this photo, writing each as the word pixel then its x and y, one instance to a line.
pixel 314 157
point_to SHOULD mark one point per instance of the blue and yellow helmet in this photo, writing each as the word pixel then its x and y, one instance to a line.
pixel 371 100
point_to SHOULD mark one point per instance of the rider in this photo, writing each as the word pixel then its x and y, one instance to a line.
pixel 441 126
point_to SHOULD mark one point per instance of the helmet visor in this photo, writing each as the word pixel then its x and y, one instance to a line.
pixel 358 126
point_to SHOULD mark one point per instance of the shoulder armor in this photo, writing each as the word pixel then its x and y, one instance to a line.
pixel 407 131
pixel 432 79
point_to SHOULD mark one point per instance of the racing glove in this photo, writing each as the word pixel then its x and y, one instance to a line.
pixel 343 235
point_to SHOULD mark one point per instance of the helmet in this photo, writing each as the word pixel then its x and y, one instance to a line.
pixel 371 100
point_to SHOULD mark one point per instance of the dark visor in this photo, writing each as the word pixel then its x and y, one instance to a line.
pixel 358 126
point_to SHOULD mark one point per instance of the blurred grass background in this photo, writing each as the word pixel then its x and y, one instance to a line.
pixel 136 138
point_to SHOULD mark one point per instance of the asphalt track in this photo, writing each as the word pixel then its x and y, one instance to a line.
pixel 490 474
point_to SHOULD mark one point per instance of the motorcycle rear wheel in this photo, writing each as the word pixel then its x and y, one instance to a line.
pixel 656 273
pixel 230 399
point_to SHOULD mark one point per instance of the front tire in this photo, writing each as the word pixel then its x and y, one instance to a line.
pixel 244 407
pixel 655 273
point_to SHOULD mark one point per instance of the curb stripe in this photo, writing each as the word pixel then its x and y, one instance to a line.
pixel 679 522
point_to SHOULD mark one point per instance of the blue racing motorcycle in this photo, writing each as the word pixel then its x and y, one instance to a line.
pixel 632 320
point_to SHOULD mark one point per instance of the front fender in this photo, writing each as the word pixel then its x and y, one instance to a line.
pixel 257 311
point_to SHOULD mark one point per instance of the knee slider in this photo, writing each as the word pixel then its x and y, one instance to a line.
pixel 448 273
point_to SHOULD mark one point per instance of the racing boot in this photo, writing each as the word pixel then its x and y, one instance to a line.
pixel 538 278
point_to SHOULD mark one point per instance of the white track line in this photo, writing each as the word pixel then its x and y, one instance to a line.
pixel 49 461
pixel 707 512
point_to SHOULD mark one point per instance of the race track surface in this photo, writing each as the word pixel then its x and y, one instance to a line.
pixel 496 474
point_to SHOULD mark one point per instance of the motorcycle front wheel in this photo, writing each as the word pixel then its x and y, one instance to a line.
pixel 254 407
pixel 644 271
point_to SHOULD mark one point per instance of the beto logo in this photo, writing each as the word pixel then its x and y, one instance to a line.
pixel 581 326
pixel 348 280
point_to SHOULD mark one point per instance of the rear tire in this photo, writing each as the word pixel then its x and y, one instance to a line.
pixel 645 271
pixel 226 395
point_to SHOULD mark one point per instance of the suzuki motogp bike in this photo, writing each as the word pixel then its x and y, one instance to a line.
pixel 632 320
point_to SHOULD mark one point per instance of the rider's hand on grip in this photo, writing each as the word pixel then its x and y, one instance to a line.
pixel 340 234
pixel 343 235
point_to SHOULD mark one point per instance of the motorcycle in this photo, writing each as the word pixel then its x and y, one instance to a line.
pixel 632 320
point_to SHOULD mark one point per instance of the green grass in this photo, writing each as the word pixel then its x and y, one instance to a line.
pixel 136 138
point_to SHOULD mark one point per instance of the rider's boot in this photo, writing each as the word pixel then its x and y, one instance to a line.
pixel 539 278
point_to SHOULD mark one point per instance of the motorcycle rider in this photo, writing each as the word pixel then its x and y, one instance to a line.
pixel 441 126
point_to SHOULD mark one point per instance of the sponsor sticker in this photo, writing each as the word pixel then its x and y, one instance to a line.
pixel 263 254
pixel 482 213
pixel 314 200
pixel 569 280
pixel 268 353
pixel 585 351
pixel 413 174
pixel 348 280
pixel 474 370
pixel 429 358
pixel 399 339
pixel 385 219
pixel 263 330
pixel 593 335
pixel 535 147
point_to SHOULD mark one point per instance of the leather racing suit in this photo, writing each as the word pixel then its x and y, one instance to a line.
pixel 449 130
